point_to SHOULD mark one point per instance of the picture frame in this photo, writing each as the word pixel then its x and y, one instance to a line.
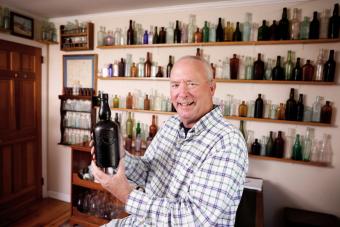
pixel 21 25
pixel 82 68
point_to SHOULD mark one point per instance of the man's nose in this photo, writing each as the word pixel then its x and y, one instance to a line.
pixel 183 88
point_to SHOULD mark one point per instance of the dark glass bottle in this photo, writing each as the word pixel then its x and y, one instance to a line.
pixel 278 72
pixel 274 33
pixel 129 101
pixel 329 68
pixel 263 32
pixel 258 70
pixel 326 113
pixel 270 145
pixel 146 37
pixel 297 71
pixel 121 67
pixel 219 31
pixel 242 129
pixel 234 65
pixel 334 23
pixel 258 111
pixel 307 71
pixel 300 108
pixel 314 27
pixel 117 119
pixel 129 39
pixel 106 137
pixel 155 37
pixel 162 35
pixel 284 26
pixel 256 148
pixel 169 67
pixel 198 52
pixel 177 33
pixel 159 72
pixel 153 127
pixel 291 105
pixel 237 34
pixel 279 145
pixel 197 36
pixel 147 65
pixel 297 149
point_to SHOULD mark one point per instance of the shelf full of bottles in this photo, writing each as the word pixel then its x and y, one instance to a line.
pixel 74 37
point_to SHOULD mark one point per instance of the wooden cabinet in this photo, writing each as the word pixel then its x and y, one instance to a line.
pixel 75 39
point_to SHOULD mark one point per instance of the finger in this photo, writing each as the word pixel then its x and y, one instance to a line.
pixel 91 143
pixel 121 167
pixel 93 151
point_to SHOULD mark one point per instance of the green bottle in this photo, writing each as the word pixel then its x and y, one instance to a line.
pixel 270 145
pixel 205 32
pixel 242 129
pixel 289 67
pixel 297 149
pixel 129 126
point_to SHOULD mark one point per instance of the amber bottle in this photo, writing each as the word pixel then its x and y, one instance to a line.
pixel 326 113
pixel 133 70
pixel 307 71
pixel 147 65
pixel 129 101
pixel 146 103
pixel 198 36
pixel 115 102
pixel 159 72
pixel 234 66
pixel 243 109
pixel 280 113
pixel 153 127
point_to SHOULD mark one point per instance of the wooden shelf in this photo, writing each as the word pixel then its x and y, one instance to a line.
pixel 86 183
pixel 144 111
pixel 74 34
pixel 85 219
pixel 258 157
pixel 47 42
pixel 75 97
pixel 238 43
pixel 81 147
pixel 134 78
pixel 5 31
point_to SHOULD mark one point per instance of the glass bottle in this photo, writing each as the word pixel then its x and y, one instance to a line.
pixel 297 71
pixel 304 28
pixel 109 40
pixel 150 35
pixel 138 140
pixel 219 31
pixel 270 145
pixel 213 68
pixel 229 32
pixel 291 105
pixel 162 35
pixel 100 35
pixel 250 139
pixel 307 71
pixel 324 18
pixel 198 52
pixel 329 68
pixel 128 63
pixel 184 33
pixel 256 148
pixel 153 127
pixel 170 33
pixel 130 35
pixel 146 37
pixel 140 67
pixel 297 149
pixel 288 67
pixel 242 129
pixel 300 108
pixel 115 68
pixel 274 33
pixel 279 145
pixel 177 33
pixel 334 23
pixel 169 67
pixel 234 66
pixel 205 31
pixel 247 28
pixel 154 69
pixel 295 25
pixel 325 150
pixel 6 19
pixel 278 72
pixel 212 33
pixel 258 110
pixel 326 113
pixel 243 109
pixel 307 144
pixel 316 109
pixel 237 35
pixel 263 32
pixel 147 65
pixel 314 27
pixel 117 36
pixel 269 69
pixel 289 142
pixel 133 70
pixel 155 38
pixel 197 36
pixel 146 103
pixel 115 102
pixel 249 68
pixel 191 28
pixel 129 101
pixel 258 72
pixel 121 67
pixel 319 67
pixel 284 26
pixel 159 72
pixel 281 111
pixel 129 126
pixel 106 137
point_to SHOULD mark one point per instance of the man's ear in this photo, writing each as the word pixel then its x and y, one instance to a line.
pixel 212 87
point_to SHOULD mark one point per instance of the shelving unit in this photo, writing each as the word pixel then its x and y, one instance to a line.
pixel 286 160
pixel 76 40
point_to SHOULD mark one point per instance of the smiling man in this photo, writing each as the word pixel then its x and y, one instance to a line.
pixel 193 172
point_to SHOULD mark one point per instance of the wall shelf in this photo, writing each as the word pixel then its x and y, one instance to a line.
pixel 286 160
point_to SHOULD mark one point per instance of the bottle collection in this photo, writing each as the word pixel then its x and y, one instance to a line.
pixel 179 32
pixel 5 20
pixel 74 28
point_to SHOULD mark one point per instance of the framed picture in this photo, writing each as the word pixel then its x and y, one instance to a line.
pixel 80 70
pixel 22 26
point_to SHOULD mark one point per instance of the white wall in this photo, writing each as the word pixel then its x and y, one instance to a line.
pixel 307 187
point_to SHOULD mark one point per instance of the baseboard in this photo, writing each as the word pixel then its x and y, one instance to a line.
pixel 60 196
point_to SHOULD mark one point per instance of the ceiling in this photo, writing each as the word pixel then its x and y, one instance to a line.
pixel 64 8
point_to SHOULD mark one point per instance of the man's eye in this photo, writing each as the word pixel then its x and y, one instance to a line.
pixel 174 85
pixel 191 84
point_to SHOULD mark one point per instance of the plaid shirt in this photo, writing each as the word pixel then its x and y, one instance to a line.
pixel 190 180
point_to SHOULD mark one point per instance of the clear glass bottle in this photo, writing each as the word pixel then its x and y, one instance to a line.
pixel 304 28
pixel 307 144
pixel 324 18
pixel 100 36
pixel 184 33
pixel 319 67
pixel 269 69
pixel 295 25
pixel 117 35
pixel 247 27
pixel 150 35
pixel 109 39
pixel 288 66
pixel 316 109
pixel 212 33
pixel 289 143
pixel 140 67
pixel 128 64
pixel 191 28
pixel 170 33
pixel 249 68
pixel 326 150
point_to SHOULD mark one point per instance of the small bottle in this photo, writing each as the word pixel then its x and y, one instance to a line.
pixel 169 67
pixel 115 102
pixel 319 67
pixel 256 148
pixel 129 126
pixel 243 109
pixel 274 33
pixel 269 69
pixel 284 26
pixel 146 37
pixel 316 109
pixel 263 32
pixel 219 31
pixel 297 71
pixel 281 111
pixel 307 71
pixel 300 108
pixel 291 105
pixel 237 35
pixel 326 113
pixel 162 35
pixel 297 149
pixel 133 70
pixel 258 71
pixel 279 145
pixel 334 23
pixel 153 127
pixel 258 112
pixel 197 36
pixel 278 72
pixel 329 68
pixel 140 68
pixel 304 28
pixel 288 67
pixel 150 35
pixel 249 68
pixel 159 72
pixel 234 67
pixel 146 103
pixel 177 33
pixel 129 101
pixel 130 35
pixel 307 144
pixel 147 65
pixel 205 32
pixel 229 33
pixel 155 38
pixel 270 145
pixel 314 27
pixel 121 67
pixel 295 25
pixel 247 28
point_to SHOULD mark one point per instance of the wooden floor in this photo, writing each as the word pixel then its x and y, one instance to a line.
pixel 49 212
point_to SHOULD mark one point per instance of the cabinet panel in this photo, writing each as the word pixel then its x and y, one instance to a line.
pixel 7 120
pixel 4 60
pixel 28 62
pixel 15 61
pixel 5 170
pixel 27 105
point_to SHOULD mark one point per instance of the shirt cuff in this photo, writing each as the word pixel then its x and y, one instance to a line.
pixel 137 204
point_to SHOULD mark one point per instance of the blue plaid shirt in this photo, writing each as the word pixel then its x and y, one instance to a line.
pixel 190 180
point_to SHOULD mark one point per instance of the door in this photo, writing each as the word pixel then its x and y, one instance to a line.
pixel 20 130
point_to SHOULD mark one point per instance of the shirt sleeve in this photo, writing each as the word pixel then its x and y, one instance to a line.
pixel 216 188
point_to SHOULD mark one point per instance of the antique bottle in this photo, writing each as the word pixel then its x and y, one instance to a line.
pixel 117 119
pixel 129 126
pixel 297 149
pixel 130 35
pixel 263 32
pixel 212 33
pixel 191 28
pixel 170 33
pixel 150 35
pixel 198 52
pixel 316 109
pixel 147 65
pixel 242 130
pixel 237 35
pixel 300 108
pixel 229 32
pixel 297 71
pixel 197 36
pixel 258 71
pixel 234 66
pixel 243 109
pixel 258 112
pixel 184 33
pixel 256 148
pixel 319 67
pixel 274 33
pixel 307 144
pixel 115 102
pixel 329 68
pixel 159 72
pixel 219 31
pixel 146 103
pixel 106 137
pixel 324 19
pixel 279 145
pixel 162 35
pixel 177 33
pixel 249 68
pixel 205 32
pixel 146 37
pixel 284 26
pixel 115 68
pixel 100 35
pixel 133 70
pixel 326 113
pixel 121 67
pixel 278 72
pixel 129 101
pixel 289 143
pixel 307 71
pixel 280 112
pixel 138 140
pixel 153 127
pixel 295 25
pixel 304 28
pixel 270 145
pixel 247 28
pixel 334 23
pixel 109 40
pixel 314 27
pixel 155 38
pixel 169 67
pixel 291 105
pixel 288 67
pixel 269 69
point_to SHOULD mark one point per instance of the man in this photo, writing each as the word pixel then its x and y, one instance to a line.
pixel 194 170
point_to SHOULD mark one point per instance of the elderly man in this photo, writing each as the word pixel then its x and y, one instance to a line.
pixel 193 172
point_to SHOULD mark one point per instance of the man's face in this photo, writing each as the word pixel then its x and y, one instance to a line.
pixel 191 92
